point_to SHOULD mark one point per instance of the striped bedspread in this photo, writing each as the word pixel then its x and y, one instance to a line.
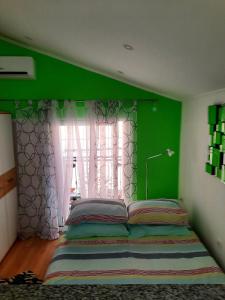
pixel 148 260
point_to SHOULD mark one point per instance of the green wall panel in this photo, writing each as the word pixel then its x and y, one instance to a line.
pixel 216 154
pixel 157 130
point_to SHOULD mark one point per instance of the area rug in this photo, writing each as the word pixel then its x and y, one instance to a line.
pixel 27 277
pixel 112 292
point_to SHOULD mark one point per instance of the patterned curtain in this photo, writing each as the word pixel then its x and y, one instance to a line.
pixel 110 113
pixel 37 195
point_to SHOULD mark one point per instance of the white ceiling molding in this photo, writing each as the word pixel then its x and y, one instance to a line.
pixel 211 93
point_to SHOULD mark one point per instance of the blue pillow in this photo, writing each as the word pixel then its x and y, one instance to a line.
pixel 95 229
pixel 138 231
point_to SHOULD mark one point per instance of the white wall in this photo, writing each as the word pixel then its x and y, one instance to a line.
pixel 203 194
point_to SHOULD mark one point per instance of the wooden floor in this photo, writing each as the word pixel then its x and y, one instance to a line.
pixel 33 254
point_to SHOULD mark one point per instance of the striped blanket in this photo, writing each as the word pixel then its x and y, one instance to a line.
pixel 121 260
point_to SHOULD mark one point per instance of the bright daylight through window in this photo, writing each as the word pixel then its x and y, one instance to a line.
pixel 107 143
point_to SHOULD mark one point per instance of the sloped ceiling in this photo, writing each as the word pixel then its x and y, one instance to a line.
pixel 178 45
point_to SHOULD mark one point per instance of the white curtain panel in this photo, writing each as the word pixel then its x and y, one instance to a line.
pixel 63 133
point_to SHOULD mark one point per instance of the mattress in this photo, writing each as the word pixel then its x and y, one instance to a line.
pixel 122 260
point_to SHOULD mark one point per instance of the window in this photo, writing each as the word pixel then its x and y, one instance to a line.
pixel 106 158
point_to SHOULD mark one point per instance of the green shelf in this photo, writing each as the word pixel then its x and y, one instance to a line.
pixel 222 113
pixel 213 114
pixel 209 169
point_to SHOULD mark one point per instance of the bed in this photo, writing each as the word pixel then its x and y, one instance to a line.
pixel 146 242
pixel 152 259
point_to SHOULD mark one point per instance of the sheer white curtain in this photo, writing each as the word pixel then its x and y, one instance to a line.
pixel 101 136
pixel 98 158
pixel 106 150
pixel 64 143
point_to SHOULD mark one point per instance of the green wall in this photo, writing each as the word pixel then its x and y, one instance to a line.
pixel 157 130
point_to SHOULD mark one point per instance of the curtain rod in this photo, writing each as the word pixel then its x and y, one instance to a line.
pixel 79 100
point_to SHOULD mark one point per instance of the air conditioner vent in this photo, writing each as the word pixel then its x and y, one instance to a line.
pixel 16 67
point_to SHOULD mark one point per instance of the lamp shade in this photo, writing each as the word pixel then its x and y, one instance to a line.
pixel 170 152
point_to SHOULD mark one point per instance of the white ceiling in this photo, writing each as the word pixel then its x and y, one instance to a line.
pixel 179 45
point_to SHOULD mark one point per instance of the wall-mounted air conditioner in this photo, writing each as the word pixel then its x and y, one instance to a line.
pixel 16 67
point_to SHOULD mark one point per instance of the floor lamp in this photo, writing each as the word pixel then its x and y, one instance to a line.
pixel 168 152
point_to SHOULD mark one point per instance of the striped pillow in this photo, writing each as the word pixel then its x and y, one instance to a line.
pixel 157 212
pixel 98 211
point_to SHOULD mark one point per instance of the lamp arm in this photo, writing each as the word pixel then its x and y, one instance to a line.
pixel 157 155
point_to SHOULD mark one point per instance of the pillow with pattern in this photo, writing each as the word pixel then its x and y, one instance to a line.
pixel 98 211
pixel 157 211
